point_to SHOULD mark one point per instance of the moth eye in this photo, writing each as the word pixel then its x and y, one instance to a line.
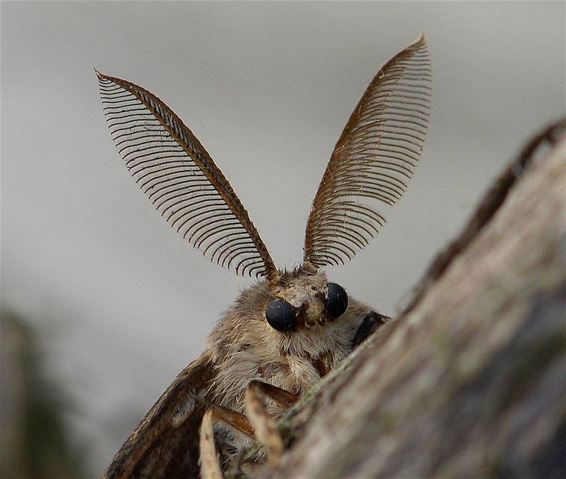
pixel 281 315
pixel 337 300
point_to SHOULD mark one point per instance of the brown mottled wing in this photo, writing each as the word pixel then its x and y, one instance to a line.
pixel 165 443
pixel 180 178
pixel 373 160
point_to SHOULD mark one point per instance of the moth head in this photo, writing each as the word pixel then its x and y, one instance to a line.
pixel 304 299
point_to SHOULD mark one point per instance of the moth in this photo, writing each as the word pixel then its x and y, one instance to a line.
pixel 290 328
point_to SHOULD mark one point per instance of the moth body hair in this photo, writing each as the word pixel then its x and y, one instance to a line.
pixel 244 347
pixel 289 329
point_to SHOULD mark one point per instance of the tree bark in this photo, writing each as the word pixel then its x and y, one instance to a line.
pixel 470 380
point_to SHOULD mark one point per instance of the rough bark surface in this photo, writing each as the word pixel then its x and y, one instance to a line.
pixel 470 380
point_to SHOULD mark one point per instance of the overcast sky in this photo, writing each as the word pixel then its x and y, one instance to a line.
pixel 123 303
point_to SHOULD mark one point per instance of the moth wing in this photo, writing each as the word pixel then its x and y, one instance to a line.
pixel 165 443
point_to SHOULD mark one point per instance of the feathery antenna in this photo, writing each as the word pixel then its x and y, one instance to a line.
pixel 373 160
pixel 180 178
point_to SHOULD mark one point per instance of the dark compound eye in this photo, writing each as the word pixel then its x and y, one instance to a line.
pixel 281 315
pixel 337 300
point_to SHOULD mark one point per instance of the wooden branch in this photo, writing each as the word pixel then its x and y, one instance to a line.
pixel 470 380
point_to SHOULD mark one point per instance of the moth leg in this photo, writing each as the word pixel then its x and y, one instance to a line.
pixel 282 397
pixel 209 463
pixel 368 325
pixel 265 427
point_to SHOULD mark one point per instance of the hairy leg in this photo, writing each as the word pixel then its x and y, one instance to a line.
pixel 265 426
pixel 282 397
pixel 258 424
pixel 209 464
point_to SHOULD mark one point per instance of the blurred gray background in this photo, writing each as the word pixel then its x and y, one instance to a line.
pixel 122 304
